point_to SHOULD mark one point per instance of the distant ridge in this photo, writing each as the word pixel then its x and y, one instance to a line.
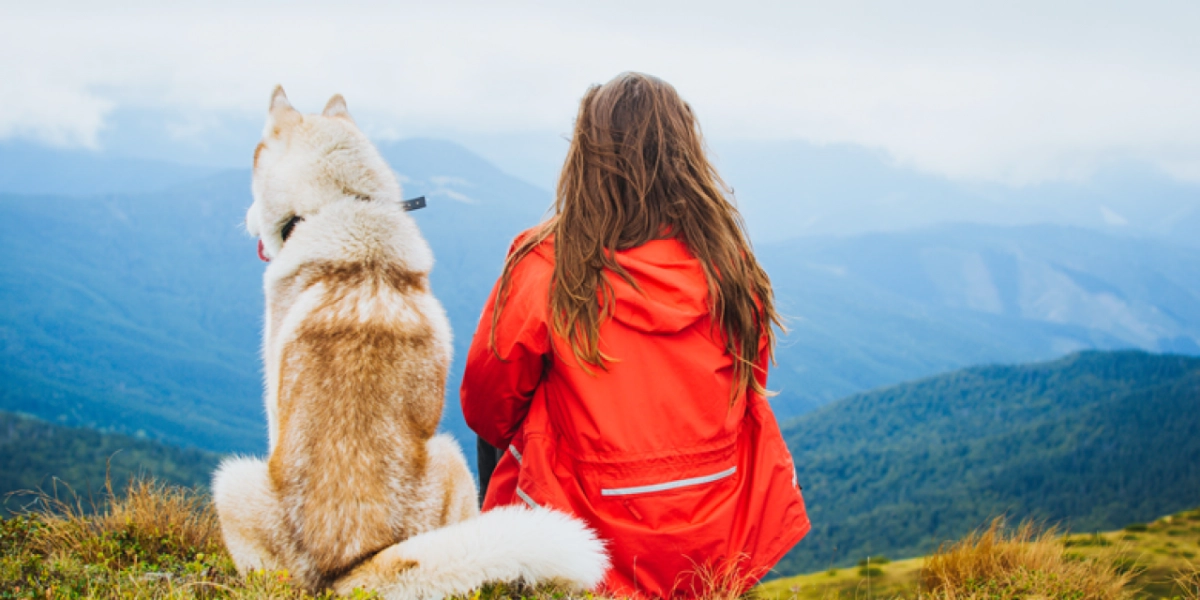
pixel 880 309
pixel 1094 440
pixel 31 169
pixel 142 311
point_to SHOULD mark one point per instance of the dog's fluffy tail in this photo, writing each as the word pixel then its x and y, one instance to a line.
pixel 507 544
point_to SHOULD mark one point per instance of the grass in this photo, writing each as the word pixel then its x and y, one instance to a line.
pixel 999 563
pixel 891 580
pixel 1022 563
pixel 153 541
pixel 1188 581
pixel 134 550
pixel 157 541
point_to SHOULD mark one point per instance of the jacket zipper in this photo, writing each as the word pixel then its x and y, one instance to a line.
pixel 668 485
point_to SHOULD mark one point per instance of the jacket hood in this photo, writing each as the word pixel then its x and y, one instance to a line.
pixel 673 292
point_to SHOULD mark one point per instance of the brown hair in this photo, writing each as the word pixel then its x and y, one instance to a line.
pixel 636 171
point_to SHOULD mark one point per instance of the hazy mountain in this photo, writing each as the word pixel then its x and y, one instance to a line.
pixel 143 311
pixel 134 312
pixel 880 308
pixel 1095 440
pixel 27 168
pixel 785 188
pixel 788 189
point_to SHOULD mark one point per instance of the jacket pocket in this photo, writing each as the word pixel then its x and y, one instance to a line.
pixel 668 492
pixel 666 486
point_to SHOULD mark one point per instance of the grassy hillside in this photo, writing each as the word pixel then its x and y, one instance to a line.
pixel 1094 441
pixel 1156 555
pixel 34 454
pixel 156 541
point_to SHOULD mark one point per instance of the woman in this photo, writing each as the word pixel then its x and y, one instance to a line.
pixel 621 360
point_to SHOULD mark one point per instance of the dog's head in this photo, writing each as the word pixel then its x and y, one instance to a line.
pixel 307 161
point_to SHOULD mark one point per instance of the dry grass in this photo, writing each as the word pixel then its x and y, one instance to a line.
pixel 1189 583
pixel 157 541
pixel 725 580
pixel 152 541
pixel 149 520
pixel 999 564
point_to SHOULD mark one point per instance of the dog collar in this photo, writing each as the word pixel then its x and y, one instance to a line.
pixel 408 205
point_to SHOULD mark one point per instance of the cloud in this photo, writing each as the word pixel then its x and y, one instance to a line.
pixel 1016 92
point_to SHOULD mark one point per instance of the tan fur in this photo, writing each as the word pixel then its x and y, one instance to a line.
pixel 357 352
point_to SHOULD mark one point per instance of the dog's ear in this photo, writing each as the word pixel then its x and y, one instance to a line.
pixel 336 107
pixel 281 114
pixel 279 100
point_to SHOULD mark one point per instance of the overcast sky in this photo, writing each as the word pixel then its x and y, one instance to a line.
pixel 1013 92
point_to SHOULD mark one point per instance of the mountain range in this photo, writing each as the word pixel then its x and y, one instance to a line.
pixel 142 311
pixel 788 189
pixel 880 308
pixel 139 310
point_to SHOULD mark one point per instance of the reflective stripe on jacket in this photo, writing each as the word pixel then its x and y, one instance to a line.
pixel 683 482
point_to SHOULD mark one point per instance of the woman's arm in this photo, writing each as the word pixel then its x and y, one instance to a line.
pixel 498 383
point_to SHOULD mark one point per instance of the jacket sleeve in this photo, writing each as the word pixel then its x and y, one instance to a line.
pixel 498 384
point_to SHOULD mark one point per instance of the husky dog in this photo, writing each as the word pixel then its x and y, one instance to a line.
pixel 358 491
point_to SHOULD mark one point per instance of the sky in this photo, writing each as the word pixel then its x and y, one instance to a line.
pixel 1011 92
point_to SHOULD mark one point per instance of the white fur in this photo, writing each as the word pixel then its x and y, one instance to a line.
pixel 503 545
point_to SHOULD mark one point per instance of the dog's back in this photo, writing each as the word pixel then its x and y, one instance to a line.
pixel 363 352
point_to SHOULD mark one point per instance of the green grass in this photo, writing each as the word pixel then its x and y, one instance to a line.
pixel 1161 559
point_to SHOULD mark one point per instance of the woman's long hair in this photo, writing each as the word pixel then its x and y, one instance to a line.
pixel 636 171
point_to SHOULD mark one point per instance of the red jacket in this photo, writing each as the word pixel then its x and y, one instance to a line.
pixel 651 453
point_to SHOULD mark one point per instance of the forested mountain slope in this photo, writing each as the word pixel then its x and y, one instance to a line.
pixel 1094 440
pixel 37 455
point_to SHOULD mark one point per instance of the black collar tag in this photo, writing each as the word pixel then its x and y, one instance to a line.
pixel 414 204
